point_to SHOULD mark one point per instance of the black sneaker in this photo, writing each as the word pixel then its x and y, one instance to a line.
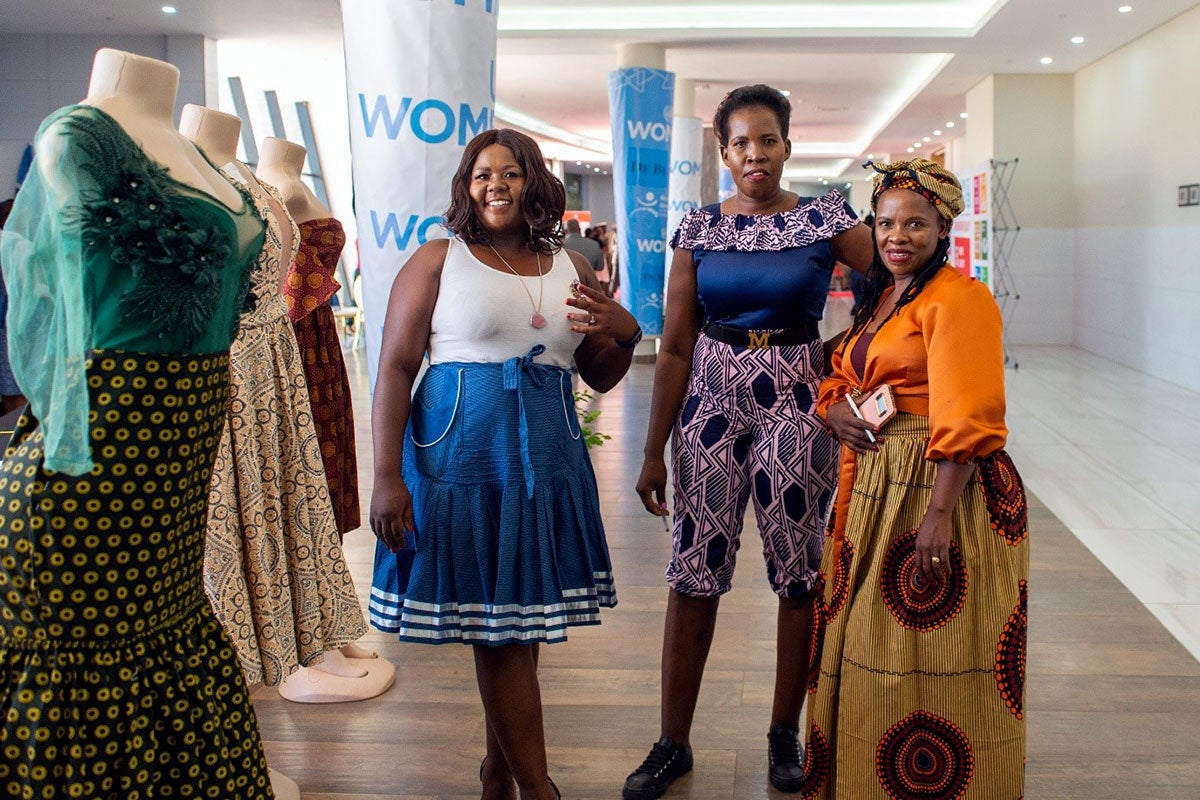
pixel 666 762
pixel 785 758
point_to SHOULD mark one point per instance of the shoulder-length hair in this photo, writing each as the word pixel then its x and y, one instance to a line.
pixel 543 200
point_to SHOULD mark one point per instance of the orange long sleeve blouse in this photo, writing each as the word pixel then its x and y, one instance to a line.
pixel 943 356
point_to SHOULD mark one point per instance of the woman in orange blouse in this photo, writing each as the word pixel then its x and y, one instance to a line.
pixel 921 672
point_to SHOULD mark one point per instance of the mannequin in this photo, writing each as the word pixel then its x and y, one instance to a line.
pixel 350 672
pixel 281 164
pixel 217 133
pixel 145 321
pixel 139 93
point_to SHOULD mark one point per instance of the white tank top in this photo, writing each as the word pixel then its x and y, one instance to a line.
pixel 482 314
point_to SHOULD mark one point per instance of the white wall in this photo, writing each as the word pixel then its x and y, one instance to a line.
pixel 1029 118
pixel 40 73
pixel 311 70
pixel 1137 275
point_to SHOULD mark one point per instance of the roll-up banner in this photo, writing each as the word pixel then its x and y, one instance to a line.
pixel 640 102
pixel 420 85
pixel 687 142
pixel 971 234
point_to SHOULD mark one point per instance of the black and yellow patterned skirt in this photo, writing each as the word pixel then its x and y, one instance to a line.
pixel 116 681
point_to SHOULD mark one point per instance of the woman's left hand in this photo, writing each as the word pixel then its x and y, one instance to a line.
pixel 599 313
pixel 932 549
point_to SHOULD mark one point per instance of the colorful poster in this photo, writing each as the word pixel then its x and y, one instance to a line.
pixel 420 85
pixel 640 103
pixel 971 246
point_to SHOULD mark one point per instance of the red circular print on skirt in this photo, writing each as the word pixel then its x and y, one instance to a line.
pixel 924 757
pixel 913 601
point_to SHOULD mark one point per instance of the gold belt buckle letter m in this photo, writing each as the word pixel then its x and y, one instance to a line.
pixel 759 340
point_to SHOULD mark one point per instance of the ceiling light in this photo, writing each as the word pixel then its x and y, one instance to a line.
pixel 910 149
pixel 847 184
pixel 595 169
pixel 869 157
pixel 1124 9
pixel 1077 40
pixel 916 144
pixel 785 92
pixel 169 9
pixel 579 163
pixel 963 115
pixel 1047 60
pixel 949 123
pixel 937 132
pixel 926 139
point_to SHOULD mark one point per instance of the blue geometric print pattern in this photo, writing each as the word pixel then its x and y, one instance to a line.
pixel 708 229
pixel 746 430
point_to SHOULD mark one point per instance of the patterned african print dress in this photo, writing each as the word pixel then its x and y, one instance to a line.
pixel 125 287
pixel 310 284
pixel 917 693
pixel 273 561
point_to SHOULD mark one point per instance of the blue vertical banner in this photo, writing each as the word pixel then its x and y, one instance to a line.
pixel 640 103
pixel 420 84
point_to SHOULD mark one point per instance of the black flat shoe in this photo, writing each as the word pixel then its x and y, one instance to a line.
pixel 666 762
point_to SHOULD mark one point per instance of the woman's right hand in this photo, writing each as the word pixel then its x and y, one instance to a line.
pixel 652 486
pixel 849 429
pixel 391 512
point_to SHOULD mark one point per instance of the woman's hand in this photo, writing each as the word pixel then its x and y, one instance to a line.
pixel 391 512
pixel 599 313
pixel 850 430
pixel 932 549
pixel 652 486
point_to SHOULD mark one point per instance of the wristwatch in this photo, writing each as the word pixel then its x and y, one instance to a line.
pixel 631 342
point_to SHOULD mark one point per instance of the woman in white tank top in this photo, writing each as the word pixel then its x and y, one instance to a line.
pixel 485 502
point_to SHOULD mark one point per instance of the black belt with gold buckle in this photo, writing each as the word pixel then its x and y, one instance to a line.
pixel 761 340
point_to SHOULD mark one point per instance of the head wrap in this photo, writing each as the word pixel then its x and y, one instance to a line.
pixel 930 180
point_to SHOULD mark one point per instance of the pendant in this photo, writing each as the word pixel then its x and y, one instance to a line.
pixel 537 320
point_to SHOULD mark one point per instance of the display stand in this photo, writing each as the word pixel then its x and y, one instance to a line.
pixel 1004 230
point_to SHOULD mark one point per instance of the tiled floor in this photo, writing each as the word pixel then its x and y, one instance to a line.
pixel 1113 699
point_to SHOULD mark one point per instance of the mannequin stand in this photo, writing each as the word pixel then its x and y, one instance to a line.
pixel 339 679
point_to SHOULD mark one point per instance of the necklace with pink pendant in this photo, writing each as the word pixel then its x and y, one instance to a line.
pixel 536 320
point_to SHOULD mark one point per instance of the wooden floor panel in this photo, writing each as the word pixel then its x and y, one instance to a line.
pixel 1113 703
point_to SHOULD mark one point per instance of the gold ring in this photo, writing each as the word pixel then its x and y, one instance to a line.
pixel 591 319
pixel 935 560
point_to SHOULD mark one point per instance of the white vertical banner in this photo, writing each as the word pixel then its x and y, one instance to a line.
pixel 683 193
pixel 420 84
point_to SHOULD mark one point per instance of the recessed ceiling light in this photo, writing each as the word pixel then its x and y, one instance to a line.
pixel 926 139
pixel 910 149
pixel 169 9
pixel 1046 60
pixel 916 144
pixel 1077 40
pixel 595 169
pixel 785 92
pixel 1124 9
pixel 949 123
pixel 579 163
pixel 847 184
pixel 937 132
pixel 963 115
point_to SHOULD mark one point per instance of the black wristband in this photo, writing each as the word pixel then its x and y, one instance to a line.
pixel 631 342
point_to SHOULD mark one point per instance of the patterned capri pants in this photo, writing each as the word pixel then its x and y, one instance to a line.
pixel 747 428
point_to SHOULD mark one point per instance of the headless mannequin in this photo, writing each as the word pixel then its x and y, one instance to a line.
pixel 139 93
pixel 217 134
pixel 341 676
pixel 282 164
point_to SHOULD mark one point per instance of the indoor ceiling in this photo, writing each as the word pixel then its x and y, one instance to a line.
pixel 869 76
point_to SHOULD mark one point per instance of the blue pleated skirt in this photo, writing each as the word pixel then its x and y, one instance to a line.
pixel 509 546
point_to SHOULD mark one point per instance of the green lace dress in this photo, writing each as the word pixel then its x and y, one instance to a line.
pixel 116 680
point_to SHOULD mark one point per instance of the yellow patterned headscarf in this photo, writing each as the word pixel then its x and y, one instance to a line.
pixel 930 180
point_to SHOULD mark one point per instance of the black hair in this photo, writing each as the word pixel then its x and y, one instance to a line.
pixel 747 96
pixel 543 200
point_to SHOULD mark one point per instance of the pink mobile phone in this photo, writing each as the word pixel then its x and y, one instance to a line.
pixel 878 405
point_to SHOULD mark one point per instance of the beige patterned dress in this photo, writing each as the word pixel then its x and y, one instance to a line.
pixel 273 562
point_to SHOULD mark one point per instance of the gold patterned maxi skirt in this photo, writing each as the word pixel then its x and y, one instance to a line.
pixel 919 693
pixel 273 562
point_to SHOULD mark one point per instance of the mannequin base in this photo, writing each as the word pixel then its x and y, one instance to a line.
pixel 339 679
pixel 284 787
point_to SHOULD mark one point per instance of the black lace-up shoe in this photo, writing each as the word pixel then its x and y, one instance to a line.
pixel 785 758
pixel 666 762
